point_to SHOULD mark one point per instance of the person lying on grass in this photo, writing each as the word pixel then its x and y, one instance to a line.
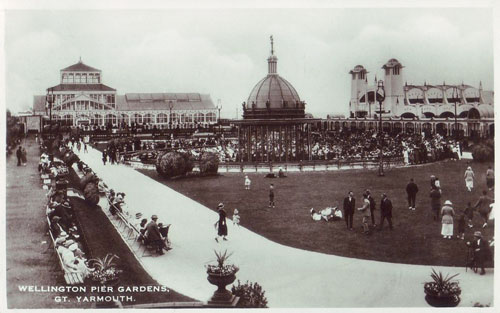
pixel 328 214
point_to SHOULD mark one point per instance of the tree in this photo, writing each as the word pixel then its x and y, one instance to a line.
pixel 209 163
pixel 91 193
pixel 174 164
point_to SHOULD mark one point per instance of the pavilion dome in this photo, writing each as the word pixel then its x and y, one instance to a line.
pixel 275 89
pixel 273 96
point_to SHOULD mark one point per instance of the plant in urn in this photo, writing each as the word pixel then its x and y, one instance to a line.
pixel 221 275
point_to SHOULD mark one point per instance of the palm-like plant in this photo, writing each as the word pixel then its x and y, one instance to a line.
pixel 105 263
pixel 222 268
pixel 442 285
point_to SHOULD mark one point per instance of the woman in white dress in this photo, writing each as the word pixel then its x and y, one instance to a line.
pixel 469 178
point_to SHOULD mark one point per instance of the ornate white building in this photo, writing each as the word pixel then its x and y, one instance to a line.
pixel 421 101
pixel 82 99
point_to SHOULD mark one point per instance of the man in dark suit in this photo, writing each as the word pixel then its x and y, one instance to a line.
pixel 385 211
pixel 481 251
pixel 349 205
pixel 411 191
pixel 154 236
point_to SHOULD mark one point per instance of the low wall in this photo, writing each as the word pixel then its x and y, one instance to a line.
pixel 289 167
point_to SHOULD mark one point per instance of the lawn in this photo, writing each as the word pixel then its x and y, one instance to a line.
pixel 416 236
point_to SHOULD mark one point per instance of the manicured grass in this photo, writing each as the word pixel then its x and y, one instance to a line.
pixel 416 238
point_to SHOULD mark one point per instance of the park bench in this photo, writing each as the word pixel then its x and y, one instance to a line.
pixel 71 278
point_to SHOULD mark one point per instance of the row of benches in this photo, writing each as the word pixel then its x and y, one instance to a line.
pixel 130 233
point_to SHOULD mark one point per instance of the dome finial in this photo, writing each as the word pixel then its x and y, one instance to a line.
pixel 272 45
pixel 80 60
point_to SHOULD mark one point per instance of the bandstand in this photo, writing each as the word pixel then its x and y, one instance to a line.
pixel 274 126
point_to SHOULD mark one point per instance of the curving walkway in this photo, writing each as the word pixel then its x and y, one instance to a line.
pixel 291 277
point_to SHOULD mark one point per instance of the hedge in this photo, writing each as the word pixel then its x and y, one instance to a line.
pixel 173 164
pixel 209 163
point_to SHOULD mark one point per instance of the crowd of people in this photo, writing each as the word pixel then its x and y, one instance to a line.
pixel 63 227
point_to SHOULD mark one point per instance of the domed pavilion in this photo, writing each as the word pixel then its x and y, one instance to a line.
pixel 274 126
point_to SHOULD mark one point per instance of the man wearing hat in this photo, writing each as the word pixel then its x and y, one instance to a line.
pixel 481 251
pixel 154 236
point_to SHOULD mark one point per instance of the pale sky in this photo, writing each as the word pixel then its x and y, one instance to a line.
pixel 223 52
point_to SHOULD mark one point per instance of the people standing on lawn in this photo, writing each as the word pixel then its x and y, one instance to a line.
pixel 85 147
pixel 365 211
pixel 411 191
pixel 349 205
pixel 469 214
pixel 461 226
pixel 236 217
pixel 490 178
pixel 221 223
pixel 271 196
pixel 483 206
pixel 447 214
pixel 248 182
pixel 469 178
pixel 385 211
pixel 24 159
pixel 435 196
pixel 104 156
pixel 19 155
pixel 373 206
pixel 480 252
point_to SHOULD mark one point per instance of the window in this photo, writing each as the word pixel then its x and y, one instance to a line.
pixel 77 78
pixel 396 70
pixel 161 118
pixel 65 78
pixel 70 78
pixel 110 119
pixel 136 118
pixel 148 119
pixel 96 119
pixel 175 118
pixel 84 78
pixel 211 118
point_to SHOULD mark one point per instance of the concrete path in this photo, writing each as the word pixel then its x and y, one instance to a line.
pixel 291 277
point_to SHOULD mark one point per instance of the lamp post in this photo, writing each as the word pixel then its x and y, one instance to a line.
pixel 50 101
pixel 219 107
pixel 170 106
pixel 380 99
pixel 455 96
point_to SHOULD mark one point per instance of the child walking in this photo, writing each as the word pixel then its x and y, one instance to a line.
pixel 271 196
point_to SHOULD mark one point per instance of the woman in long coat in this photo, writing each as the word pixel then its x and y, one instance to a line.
pixel 435 202
pixel 221 223
pixel 447 220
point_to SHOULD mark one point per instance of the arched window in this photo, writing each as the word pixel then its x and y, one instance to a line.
pixel 189 118
pixel 96 119
pixel 136 118
pixel 183 118
pixel 67 120
pixel 123 118
pixel 148 119
pixel 211 118
pixel 199 117
pixel 110 119
pixel 161 118
pixel 175 118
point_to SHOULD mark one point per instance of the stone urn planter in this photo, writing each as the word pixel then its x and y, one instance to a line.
pixel 222 275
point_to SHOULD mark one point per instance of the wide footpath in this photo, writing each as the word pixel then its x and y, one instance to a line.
pixel 291 277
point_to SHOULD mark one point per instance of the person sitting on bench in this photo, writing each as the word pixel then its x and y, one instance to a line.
pixel 154 236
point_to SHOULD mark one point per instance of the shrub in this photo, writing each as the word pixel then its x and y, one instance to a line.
pixel 251 295
pixel 91 193
pixel 483 153
pixel 174 164
pixel 89 178
pixel 209 163
pixel 70 158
